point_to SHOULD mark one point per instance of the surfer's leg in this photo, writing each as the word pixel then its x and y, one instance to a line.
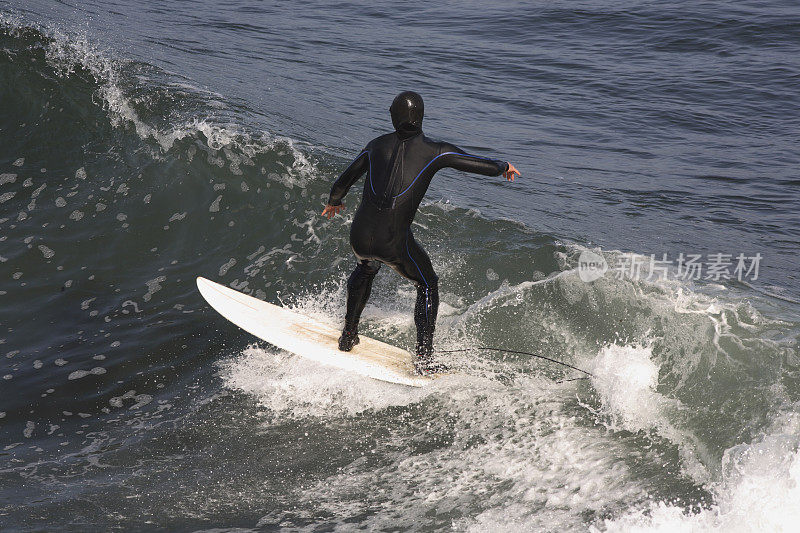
pixel 415 265
pixel 359 286
pixel 425 312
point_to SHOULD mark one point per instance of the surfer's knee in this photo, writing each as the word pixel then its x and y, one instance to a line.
pixel 430 282
pixel 364 271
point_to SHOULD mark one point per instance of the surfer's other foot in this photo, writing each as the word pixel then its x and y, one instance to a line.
pixel 348 339
pixel 425 363
pixel 425 367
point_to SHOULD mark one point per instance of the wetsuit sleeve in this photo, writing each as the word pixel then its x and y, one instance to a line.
pixel 340 187
pixel 454 157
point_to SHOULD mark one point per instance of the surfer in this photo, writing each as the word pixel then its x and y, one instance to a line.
pixel 399 167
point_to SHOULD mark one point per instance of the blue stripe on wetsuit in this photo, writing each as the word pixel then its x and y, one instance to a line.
pixel 418 270
pixel 415 263
pixel 431 162
pixel 370 172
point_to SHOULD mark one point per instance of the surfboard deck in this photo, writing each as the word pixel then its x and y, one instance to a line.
pixel 309 338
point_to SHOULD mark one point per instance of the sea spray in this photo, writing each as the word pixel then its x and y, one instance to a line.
pixel 626 380
pixel 759 491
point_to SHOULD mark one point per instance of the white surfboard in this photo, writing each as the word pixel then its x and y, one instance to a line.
pixel 306 337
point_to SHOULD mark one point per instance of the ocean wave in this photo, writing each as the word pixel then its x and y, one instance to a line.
pixel 758 490
pixel 114 85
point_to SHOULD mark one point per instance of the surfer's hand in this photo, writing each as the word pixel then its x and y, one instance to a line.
pixel 509 174
pixel 331 211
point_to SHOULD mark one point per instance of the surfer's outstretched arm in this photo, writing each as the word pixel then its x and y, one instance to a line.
pixel 454 157
pixel 359 166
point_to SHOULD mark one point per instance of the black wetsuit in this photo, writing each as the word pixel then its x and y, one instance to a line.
pixel 399 167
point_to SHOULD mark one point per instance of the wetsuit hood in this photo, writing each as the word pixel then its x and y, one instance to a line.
pixel 407 111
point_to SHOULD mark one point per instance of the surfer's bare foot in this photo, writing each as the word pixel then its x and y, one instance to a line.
pixel 348 339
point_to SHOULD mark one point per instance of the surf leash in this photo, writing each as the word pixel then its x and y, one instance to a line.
pixel 504 350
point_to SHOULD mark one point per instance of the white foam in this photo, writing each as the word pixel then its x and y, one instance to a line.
pixel 626 378
pixel 227 266
pixel 759 491
pixel 153 286
pixel 46 252
pixel 78 374
pixel 288 385
pixel 513 452
pixel 214 207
